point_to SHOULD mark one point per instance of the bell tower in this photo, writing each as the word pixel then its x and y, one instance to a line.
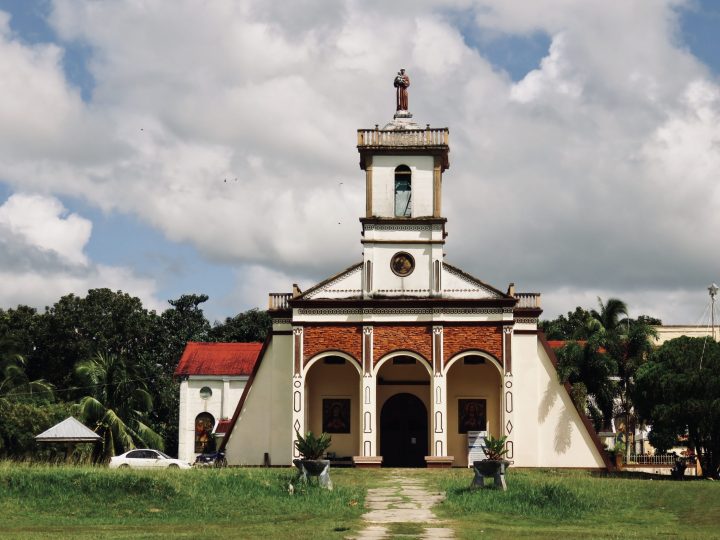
pixel 403 229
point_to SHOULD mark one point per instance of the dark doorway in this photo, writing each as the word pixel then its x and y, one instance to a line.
pixel 404 431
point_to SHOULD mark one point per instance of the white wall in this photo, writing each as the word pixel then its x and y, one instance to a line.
pixel 548 431
pixel 383 184
pixel 264 424
pixel 226 393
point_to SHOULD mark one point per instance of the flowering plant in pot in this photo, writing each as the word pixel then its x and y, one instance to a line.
pixel 311 450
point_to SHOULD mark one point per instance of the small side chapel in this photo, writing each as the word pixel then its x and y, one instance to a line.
pixel 402 356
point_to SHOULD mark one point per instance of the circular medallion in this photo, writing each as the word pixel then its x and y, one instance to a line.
pixel 402 264
pixel 205 392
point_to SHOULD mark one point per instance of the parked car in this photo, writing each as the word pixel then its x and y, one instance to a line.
pixel 142 458
pixel 211 459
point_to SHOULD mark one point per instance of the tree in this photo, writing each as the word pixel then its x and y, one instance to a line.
pixel 117 405
pixel 253 325
pixel 601 369
pixel 678 392
pixel 75 328
pixel 184 321
pixel 573 327
pixel 589 370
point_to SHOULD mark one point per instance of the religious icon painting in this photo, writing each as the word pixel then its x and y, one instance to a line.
pixel 471 415
pixel 204 423
pixel 336 415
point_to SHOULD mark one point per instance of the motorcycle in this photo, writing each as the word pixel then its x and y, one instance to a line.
pixel 211 459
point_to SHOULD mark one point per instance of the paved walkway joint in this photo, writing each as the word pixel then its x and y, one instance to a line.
pixel 404 500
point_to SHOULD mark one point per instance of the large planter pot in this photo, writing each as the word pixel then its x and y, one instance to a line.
pixel 490 468
pixel 314 468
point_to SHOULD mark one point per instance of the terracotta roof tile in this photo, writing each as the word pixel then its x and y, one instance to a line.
pixel 218 359
pixel 222 426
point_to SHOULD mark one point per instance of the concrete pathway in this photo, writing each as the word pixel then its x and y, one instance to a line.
pixel 403 501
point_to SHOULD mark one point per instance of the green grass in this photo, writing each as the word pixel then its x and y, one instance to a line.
pixel 85 502
pixel 38 501
pixel 552 503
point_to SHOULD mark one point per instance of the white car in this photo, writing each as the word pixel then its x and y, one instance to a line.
pixel 144 458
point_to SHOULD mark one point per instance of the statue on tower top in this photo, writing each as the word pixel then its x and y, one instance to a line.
pixel 402 81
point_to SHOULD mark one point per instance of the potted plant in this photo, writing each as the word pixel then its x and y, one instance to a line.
pixel 494 464
pixel 310 464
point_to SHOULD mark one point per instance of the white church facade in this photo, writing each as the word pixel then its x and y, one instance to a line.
pixel 402 355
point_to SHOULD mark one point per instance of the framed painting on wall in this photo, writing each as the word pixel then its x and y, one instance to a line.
pixel 472 415
pixel 336 415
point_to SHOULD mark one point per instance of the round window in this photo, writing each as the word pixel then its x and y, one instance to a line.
pixel 205 392
pixel 402 264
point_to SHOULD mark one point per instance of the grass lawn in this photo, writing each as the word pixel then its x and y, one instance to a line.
pixel 574 504
pixel 76 502
pixel 86 502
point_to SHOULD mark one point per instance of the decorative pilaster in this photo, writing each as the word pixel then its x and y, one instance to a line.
pixel 508 414
pixel 298 388
pixel 507 399
pixel 507 348
pixel 439 396
pixel 368 408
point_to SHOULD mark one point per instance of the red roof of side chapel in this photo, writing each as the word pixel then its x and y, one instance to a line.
pixel 218 359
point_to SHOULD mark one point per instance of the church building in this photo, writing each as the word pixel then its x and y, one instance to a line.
pixel 402 357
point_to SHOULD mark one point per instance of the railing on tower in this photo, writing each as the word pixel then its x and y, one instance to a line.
pixel 403 137
pixel 279 301
pixel 528 300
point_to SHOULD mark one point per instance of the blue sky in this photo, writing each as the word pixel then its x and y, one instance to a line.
pixel 171 260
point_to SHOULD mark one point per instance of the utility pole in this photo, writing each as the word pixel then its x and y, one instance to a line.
pixel 713 289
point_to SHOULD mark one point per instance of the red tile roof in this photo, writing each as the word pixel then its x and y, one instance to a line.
pixel 222 426
pixel 218 359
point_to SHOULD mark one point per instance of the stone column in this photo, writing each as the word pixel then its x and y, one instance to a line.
pixel 439 397
pixel 507 405
pixel 185 441
pixel 225 411
pixel 368 402
pixel 298 389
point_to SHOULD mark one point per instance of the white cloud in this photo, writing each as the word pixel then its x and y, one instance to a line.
pixel 594 172
pixel 42 256
pixel 39 221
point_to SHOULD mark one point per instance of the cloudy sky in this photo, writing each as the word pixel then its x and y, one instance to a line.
pixel 185 146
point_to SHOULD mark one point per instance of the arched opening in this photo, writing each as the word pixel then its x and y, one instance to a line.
pixel 404 431
pixel 403 401
pixel 332 390
pixel 474 390
pixel 403 191
pixel 204 424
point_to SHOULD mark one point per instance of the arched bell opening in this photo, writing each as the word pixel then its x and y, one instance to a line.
pixel 403 191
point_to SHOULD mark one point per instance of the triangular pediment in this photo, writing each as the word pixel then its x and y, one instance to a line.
pixel 461 285
pixel 344 285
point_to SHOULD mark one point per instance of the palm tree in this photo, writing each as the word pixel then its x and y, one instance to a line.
pixel 117 405
pixel 15 384
pixel 609 315
pixel 628 342
pixel 589 370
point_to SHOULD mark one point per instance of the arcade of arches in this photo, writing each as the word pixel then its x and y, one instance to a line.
pixel 403 418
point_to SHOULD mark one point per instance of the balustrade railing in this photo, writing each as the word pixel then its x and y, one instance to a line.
pixel 403 137
pixel 278 301
pixel 528 300
pixel 660 459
